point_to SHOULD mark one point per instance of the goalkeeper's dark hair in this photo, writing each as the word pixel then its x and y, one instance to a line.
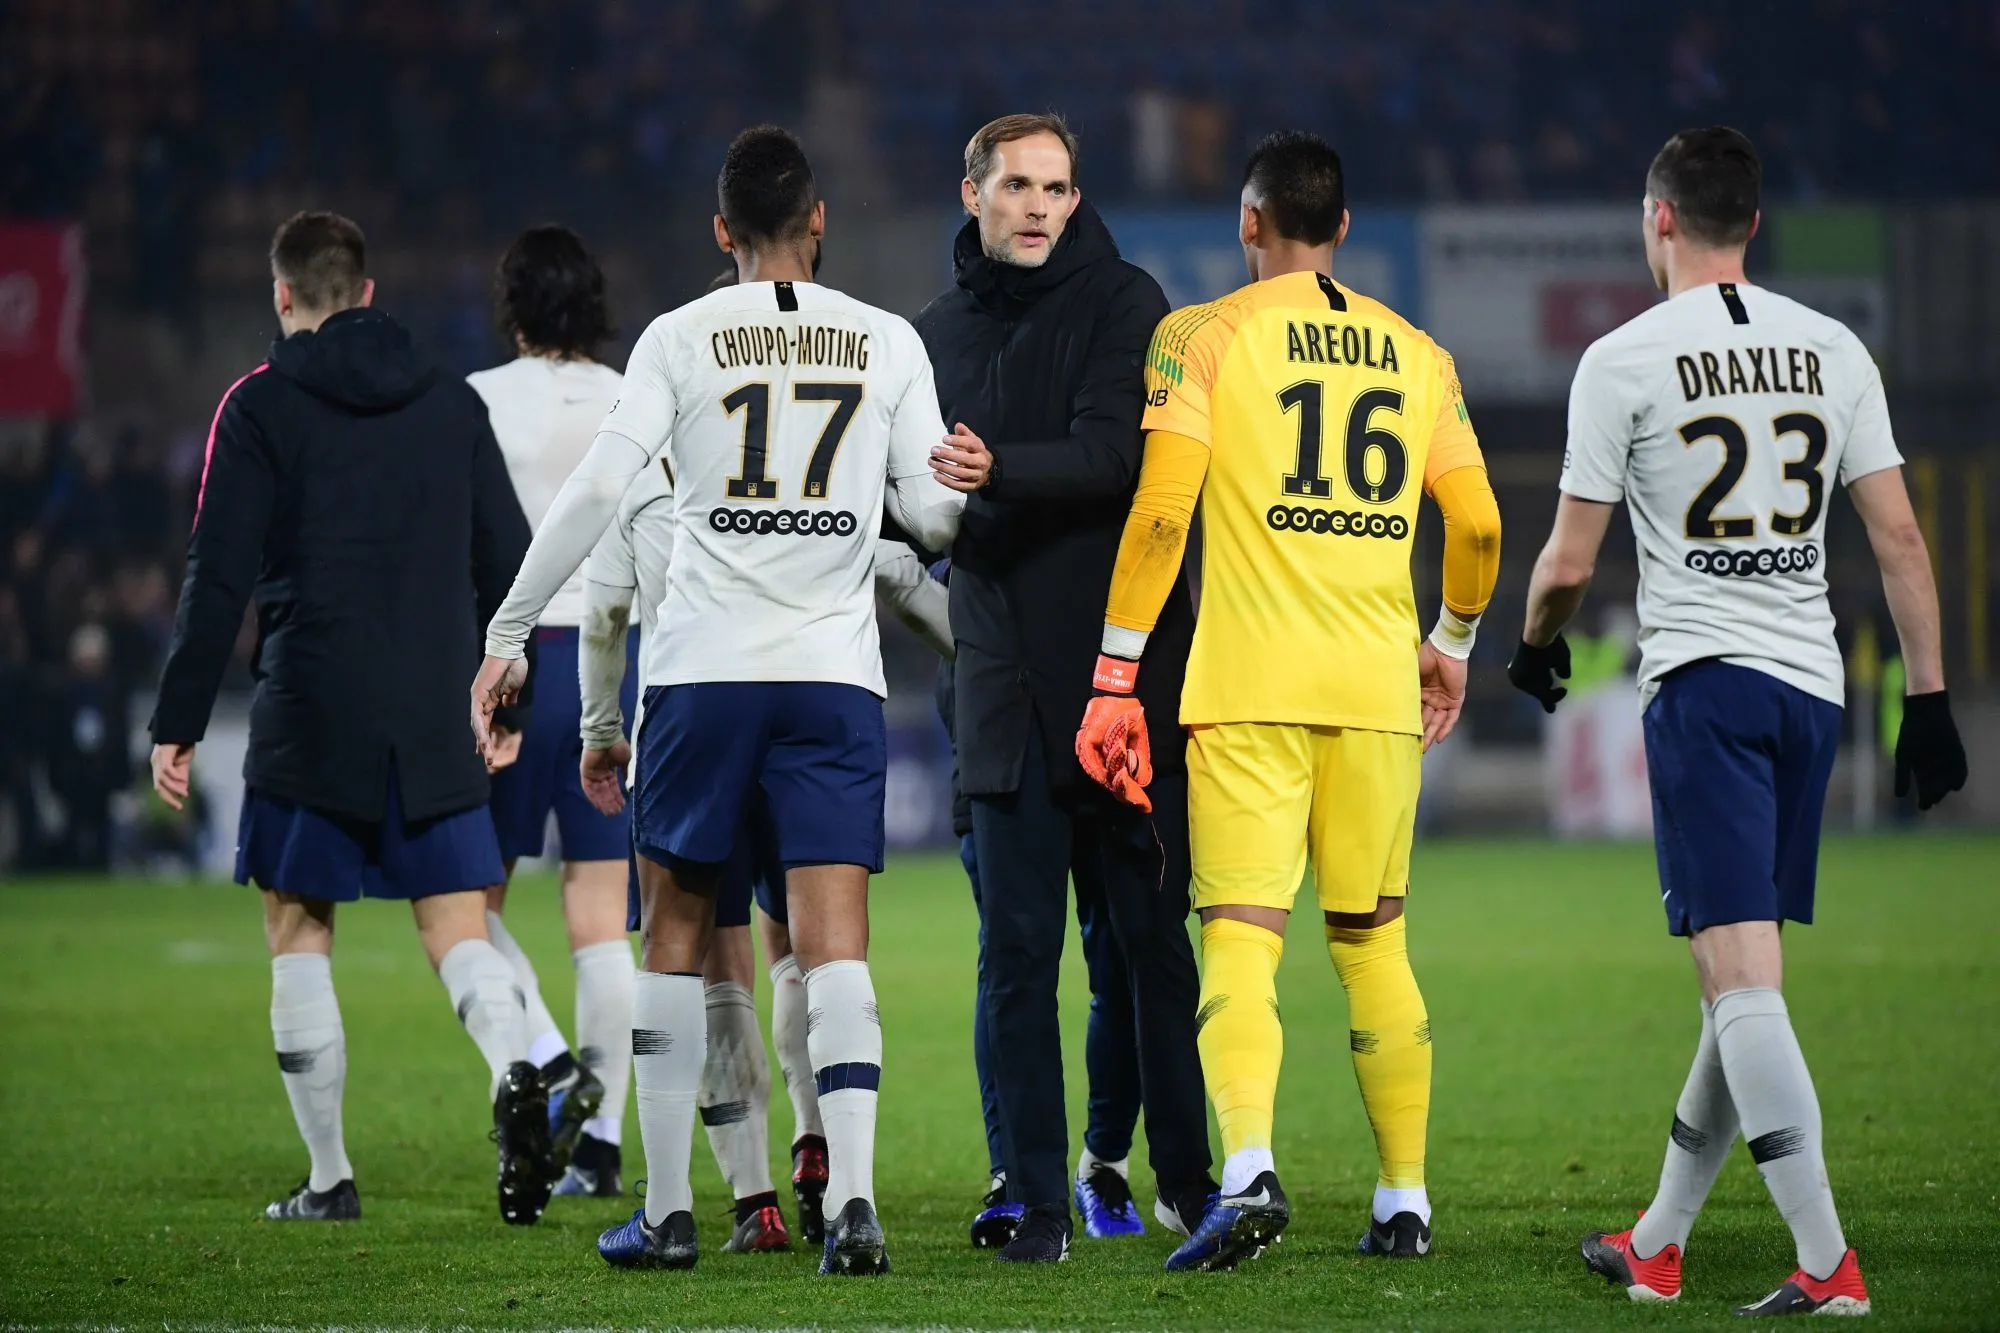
pixel 1299 186
pixel 765 191
pixel 1713 178
pixel 549 292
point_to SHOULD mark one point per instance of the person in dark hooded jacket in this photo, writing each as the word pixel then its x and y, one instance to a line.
pixel 1038 350
pixel 358 495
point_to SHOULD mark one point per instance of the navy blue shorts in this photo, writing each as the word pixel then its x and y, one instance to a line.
pixel 754 874
pixel 335 858
pixel 815 752
pixel 1739 763
pixel 545 777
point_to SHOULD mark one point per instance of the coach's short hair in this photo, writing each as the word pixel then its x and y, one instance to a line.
pixel 765 190
pixel 982 151
pixel 1713 178
pixel 1299 186
pixel 323 258
pixel 549 292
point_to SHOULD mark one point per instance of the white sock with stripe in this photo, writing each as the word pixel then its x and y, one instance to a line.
pixel 669 1044
pixel 604 979
pixel 844 1035
pixel 489 1003
pixel 735 1098
pixel 545 1040
pixel 312 1058
pixel 788 1035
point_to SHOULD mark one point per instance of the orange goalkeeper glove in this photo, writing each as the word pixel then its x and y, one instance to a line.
pixel 1112 745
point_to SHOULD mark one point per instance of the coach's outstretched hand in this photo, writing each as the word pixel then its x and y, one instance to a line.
pixel 603 776
pixel 499 683
pixel 1535 671
pixel 1928 751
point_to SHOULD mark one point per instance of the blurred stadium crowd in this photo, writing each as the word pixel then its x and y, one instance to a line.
pixel 173 131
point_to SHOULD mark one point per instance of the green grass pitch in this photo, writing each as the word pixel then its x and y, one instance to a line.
pixel 146 1125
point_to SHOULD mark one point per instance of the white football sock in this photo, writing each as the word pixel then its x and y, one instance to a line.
pixel 1090 1162
pixel 669 1041
pixel 1704 1131
pixel 604 976
pixel 312 1057
pixel 481 985
pixel 735 1096
pixel 545 1041
pixel 846 1043
pixel 1243 1166
pixel 1388 1202
pixel 1779 1110
pixel 788 1035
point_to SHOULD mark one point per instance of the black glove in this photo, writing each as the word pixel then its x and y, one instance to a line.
pixel 1928 750
pixel 1534 671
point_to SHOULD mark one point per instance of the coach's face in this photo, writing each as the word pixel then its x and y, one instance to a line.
pixel 1025 201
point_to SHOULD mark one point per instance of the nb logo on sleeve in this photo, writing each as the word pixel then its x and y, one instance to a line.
pixel 1337 522
pixel 784 522
pixel 1750 564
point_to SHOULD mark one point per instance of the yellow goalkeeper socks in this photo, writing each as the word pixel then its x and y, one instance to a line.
pixel 1242 1042
pixel 1390 1037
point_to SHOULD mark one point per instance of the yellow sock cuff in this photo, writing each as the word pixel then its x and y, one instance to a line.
pixel 1226 932
pixel 1351 947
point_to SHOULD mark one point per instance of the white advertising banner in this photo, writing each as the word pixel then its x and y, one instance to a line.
pixel 1517 293
pixel 1594 762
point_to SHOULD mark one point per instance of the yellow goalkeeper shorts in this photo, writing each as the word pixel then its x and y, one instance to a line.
pixel 1261 796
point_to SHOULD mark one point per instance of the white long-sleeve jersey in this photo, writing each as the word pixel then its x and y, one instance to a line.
pixel 629 568
pixel 545 414
pixel 1722 418
pixel 787 416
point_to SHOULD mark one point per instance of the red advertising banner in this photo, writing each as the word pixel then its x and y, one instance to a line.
pixel 41 318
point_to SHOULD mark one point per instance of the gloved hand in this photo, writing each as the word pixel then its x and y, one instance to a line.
pixel 1534 671
pixel 1928 750
pixel 1112 744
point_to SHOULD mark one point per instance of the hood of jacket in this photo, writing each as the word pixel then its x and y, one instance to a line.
pixel 1010 289
pixel 360 360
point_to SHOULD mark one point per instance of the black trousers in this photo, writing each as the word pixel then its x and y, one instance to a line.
pixel 1028 844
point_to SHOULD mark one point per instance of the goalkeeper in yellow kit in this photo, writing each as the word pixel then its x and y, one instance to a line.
pixel 1306 420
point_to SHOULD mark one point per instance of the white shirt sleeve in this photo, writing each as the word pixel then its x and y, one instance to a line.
pixel 1600 431
pixel 904 586
pixel 635 433
pixel 920 504
pixel 610 577
pixel 1871 444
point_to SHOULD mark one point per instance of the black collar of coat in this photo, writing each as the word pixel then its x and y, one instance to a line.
pixel 1010 289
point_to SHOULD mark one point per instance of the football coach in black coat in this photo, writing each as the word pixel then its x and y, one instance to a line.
pixel 1039 351
pixel 358 495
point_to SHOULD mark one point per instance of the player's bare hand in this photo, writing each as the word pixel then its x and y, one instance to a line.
pixel 173 767
pixel 962 462
pixel 603 774
pixel 498 684
pixel 1441 690
pixel 506 750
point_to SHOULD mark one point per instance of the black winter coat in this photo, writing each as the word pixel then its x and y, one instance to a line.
pixel 1047 365
pixel 359 495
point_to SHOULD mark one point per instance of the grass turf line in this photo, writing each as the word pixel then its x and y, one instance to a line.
pixel 147 1126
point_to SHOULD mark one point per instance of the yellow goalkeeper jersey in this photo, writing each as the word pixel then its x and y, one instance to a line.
pixel 1326 415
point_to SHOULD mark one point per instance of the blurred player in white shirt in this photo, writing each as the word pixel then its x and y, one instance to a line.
pixel 1721 417
pixel 787 416
pixel 545 406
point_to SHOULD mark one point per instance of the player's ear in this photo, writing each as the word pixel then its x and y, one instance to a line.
pixel 1246 230
pixel 281 296
pixel 1075 197
pixel 816 225
pixel 722 240
pixel 968 195
pixel 1756 221
pixel 367 291
pixel 1340 236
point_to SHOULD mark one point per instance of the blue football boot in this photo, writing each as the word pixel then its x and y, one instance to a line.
pixel 633 1244
pixel 1104 1201
pixel 998 1220
pixel 1239 1226
pixel 855 1246
pixel 574 1096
